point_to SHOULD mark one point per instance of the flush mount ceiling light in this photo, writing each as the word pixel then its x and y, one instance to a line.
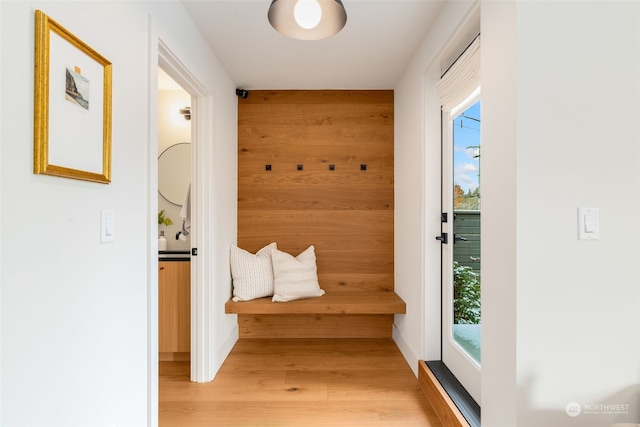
pixel 307 19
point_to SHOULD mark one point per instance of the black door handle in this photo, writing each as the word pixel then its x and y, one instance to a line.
pixel 443 238
pixel 458 238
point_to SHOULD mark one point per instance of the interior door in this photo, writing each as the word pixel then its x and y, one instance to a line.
pixel 460 238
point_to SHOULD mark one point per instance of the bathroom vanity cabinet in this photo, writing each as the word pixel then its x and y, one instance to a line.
pixel 174 302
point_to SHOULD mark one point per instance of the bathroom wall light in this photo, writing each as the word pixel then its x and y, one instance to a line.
pixel 307 19
pixel 186 112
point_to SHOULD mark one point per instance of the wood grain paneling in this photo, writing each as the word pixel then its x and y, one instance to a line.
pixel 345 212
pixel 339 282
pixel 321 197
pixel 315 325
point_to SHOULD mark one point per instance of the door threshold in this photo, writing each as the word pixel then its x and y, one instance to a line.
pixel 453 404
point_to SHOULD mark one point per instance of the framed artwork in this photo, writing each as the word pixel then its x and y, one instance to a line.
pixel 72 106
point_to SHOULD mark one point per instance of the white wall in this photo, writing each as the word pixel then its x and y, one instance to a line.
pixel 560 122
pixel 74 311
pixel 417 186
pixel 578 144
pixel 561 101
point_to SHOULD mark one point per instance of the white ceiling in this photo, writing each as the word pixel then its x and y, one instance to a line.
pixel 371 51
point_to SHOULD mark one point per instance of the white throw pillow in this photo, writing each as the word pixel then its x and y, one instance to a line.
pixel 252 274
pixel 295 278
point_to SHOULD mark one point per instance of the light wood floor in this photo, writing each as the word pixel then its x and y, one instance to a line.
pixel 299 382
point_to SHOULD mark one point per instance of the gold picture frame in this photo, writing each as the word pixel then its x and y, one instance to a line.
pixel 72 105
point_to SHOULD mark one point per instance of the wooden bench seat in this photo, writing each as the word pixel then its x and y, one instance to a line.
pixel 361 302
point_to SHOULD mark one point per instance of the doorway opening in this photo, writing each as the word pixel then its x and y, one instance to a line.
pixel 202 234
pixel 174 220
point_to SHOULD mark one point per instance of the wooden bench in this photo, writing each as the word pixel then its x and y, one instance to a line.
pixel 361 314
pixel 336 303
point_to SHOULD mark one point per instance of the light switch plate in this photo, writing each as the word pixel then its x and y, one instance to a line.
pixel 588 223
pixel 107 226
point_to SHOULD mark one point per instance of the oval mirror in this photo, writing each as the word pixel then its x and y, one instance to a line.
pixel 174 172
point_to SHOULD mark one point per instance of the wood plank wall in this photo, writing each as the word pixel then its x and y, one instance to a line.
pixel 346 213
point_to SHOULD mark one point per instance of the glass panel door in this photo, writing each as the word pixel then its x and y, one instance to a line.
pixel 461 333
pixel 466 228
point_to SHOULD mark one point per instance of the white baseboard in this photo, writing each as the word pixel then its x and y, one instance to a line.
pixel 224 349
pixel 406 350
